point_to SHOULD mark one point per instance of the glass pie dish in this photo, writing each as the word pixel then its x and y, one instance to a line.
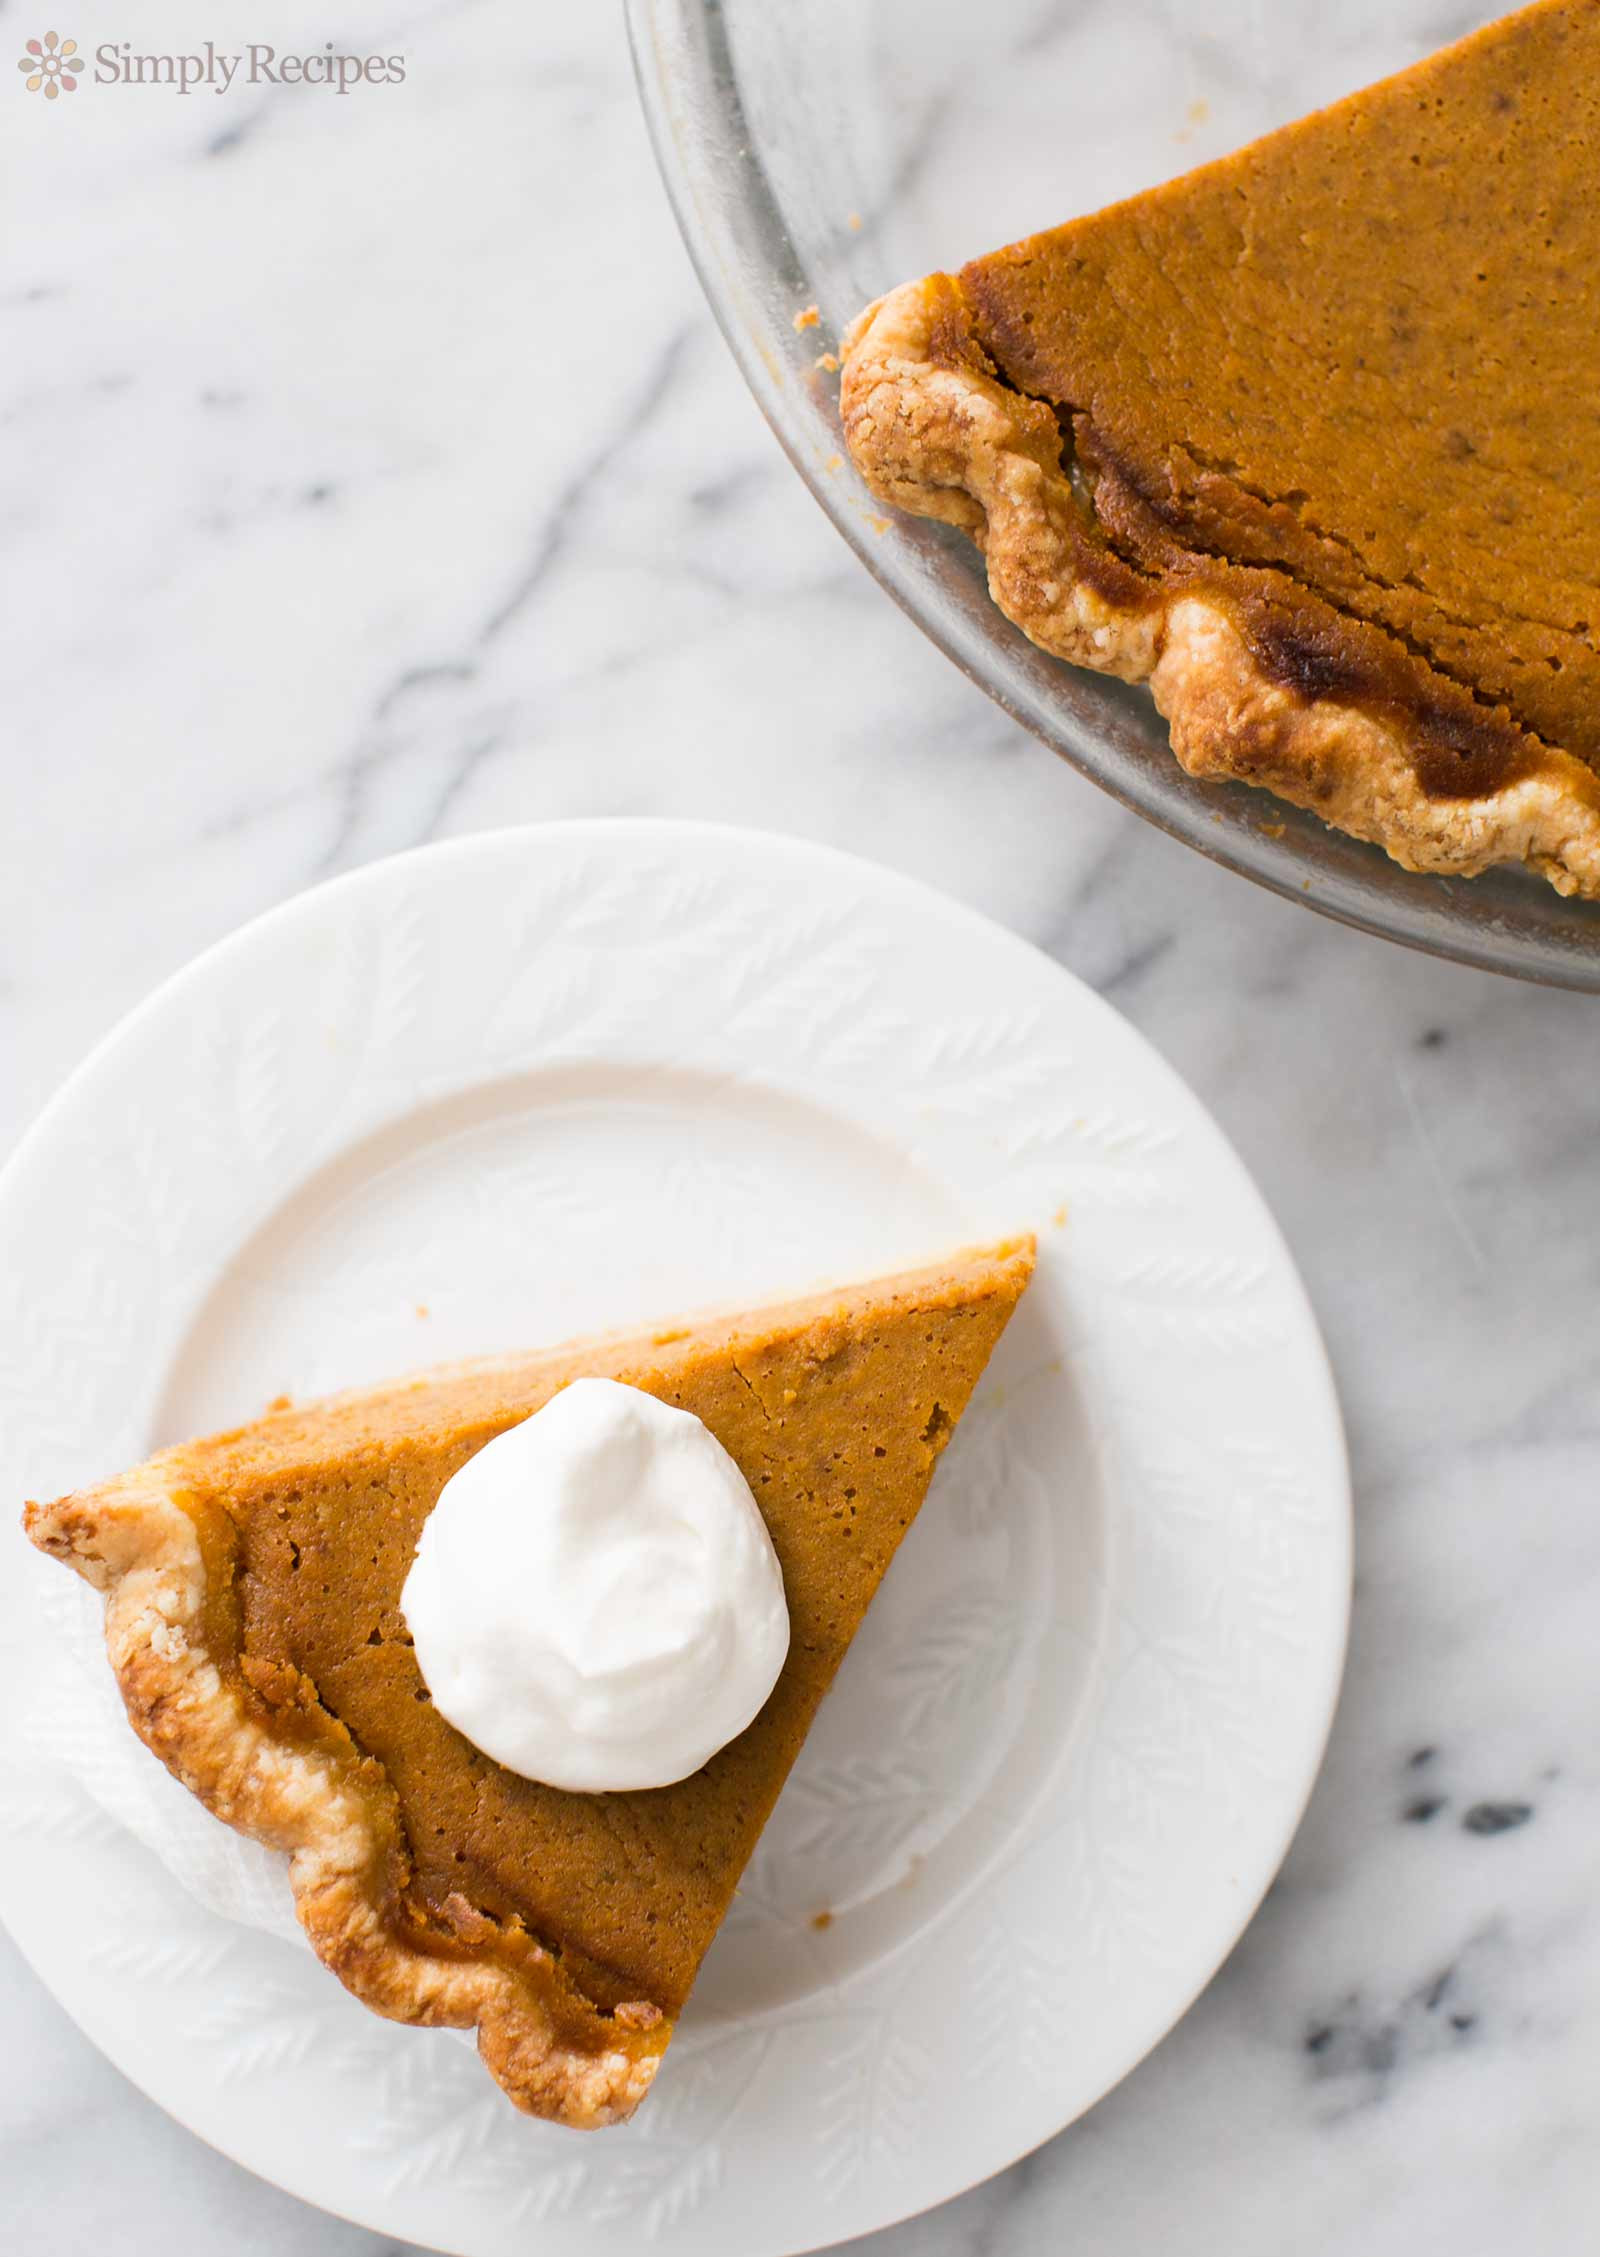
pixel 816 154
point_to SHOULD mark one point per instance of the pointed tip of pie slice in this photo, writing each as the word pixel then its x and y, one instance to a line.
pixel 438 1887
pixel 990 1276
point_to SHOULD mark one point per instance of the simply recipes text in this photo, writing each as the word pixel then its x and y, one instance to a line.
pixel 116 63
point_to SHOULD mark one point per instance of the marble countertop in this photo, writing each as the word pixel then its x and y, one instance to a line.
pixel 342 511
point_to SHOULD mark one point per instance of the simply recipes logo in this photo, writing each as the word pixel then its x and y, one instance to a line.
pixel 54 66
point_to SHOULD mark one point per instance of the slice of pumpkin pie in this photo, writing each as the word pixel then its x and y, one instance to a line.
pixel 1309 440
pixel 254 1619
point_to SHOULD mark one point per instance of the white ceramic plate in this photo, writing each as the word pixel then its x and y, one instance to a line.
pixel 524 1085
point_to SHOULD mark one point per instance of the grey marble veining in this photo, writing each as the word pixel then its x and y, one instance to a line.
pixel 375 474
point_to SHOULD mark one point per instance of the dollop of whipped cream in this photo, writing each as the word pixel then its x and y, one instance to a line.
pixel 595 1601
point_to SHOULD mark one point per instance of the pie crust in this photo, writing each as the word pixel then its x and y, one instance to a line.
pixel 135 1541
pixel 935 431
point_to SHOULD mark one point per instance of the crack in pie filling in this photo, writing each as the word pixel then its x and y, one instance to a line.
pixel 253 1588
pixel 1310 441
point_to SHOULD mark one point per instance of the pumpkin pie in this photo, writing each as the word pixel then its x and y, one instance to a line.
pixel 1308 440
pixel 253 1620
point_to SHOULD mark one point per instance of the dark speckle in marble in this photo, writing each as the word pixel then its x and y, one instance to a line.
pixel 1496 1817
pixel 1362 2044
pixel 1421 1808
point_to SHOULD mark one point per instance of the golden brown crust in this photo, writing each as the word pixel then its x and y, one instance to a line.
pixel 134 1541
pixel 934 430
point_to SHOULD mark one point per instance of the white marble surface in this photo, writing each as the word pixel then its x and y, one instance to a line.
pixel 376 474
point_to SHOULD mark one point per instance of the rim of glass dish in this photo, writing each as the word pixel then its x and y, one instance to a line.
pixel 733 227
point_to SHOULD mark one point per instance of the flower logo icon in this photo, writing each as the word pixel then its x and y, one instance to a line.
pixel 52 66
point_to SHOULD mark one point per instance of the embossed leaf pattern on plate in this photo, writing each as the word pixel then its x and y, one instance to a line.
pixel 1067 1748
